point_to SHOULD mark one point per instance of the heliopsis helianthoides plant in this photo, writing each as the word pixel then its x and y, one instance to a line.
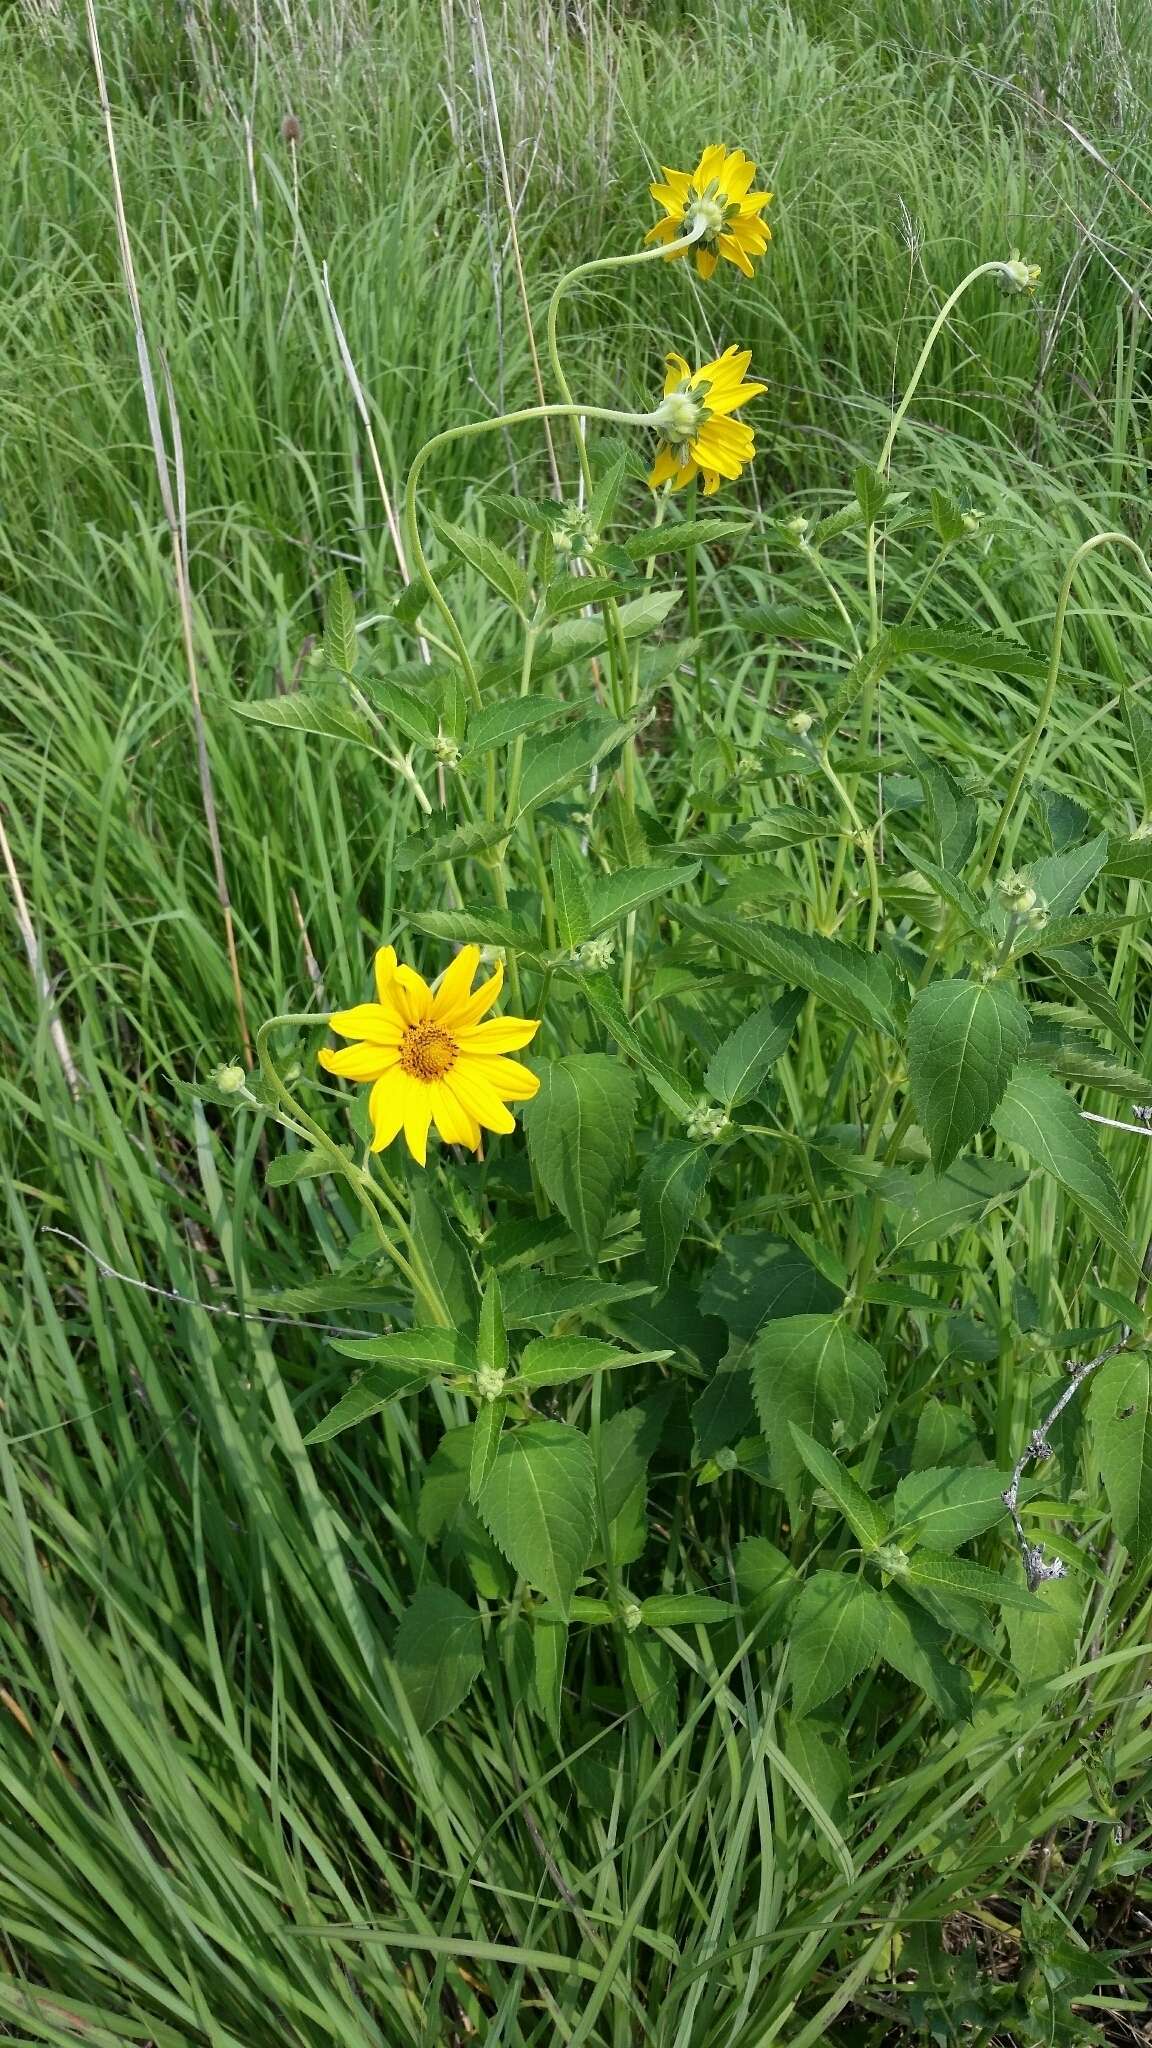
pixel 800 1103
pixel 715 206
pixel 699 433
pixel 434 1056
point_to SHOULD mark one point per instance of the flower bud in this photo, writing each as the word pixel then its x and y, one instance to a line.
pixel 230 1079
pixel 801 723
pixel 1018 276
pixel 1017 895
pixel 597 953
pixel 631 1616
pixel 490 1383
pixel 707 1121
pixel 446 750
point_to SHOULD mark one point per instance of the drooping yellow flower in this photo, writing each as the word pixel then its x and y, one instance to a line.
pixel 698 434
pixel 716 199
pixel 430 1058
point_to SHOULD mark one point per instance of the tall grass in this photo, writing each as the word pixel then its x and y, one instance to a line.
pixel 215 1823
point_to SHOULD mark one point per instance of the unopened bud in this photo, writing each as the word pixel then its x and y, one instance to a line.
pixel 489 1383
pixel 801 723
pixel 706 1122
pixel 445 749
pixel 1017 895
pixel 597 953
pixel 631 1616
pixel 726 1459
pixel 290 130
pixel 1018 276
pixel 230 1079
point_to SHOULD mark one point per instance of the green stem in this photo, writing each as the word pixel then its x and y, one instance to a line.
pixel 1098 540
pixel 369 1196
pixel 565 284
pixel 864 839
pixel 466 432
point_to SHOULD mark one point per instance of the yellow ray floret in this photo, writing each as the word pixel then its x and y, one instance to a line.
pixel 699 435
pixel 431 1056
pixel 716 203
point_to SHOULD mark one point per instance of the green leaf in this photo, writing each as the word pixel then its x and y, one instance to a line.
pixel 953 817
pixel 537 1505
pixel 768 1583
pixel 429 1352
pixel 759 1277
pixel 491 1336
pixel 327 710
pixel 725 1411
pixel 871 492
pixel 438 1654
pixel 551 766
pixel 645 614
pixel 949 887
pixel 627 1442
pixel 340 625
pixel 651 1670
pixel 740 1063
pixel 612 898
pixel 1140 735
pixel 1077 973
pixel 1061 878
pixel 535 1300
pixel 498 724
pixel 486 925
pixel 572 593
pixel 925 1208
pixel 1120 1419
pixel 815 1371
pixel 485 1444
pixel 442 1251
pixel 599 991
pixel 867 1521
pixel 674 1178
pixel 407 607
pixel 549 1648
pixel 785 825
pixel 607 489
pixel 671 539
pixel 462 843
pixel 798 622
pixel 837 1629
pixel 947 519
pixel 1041 1118
pixel 372 1392
pixel 940 1573
pixel 685 1610
pixel 1043 1643
pixel 860 986
pixel 551 1361
pixel 414 717
pixel 946 1506
pixel 299 1165
pixel 569 895
pixel 579 1130
pixel 964 1038
pixel 916 1646
pixel 965 647
pixel 496 567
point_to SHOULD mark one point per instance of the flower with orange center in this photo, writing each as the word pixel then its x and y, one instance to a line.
pixel 714 203
pixel 430 1058
pixel 699 436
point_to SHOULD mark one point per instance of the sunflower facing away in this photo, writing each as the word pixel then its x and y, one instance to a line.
pixel 715 199
pixel 430 1059
pixel 698 434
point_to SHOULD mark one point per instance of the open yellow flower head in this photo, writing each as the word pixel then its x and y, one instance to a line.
pixel 716 200
pixel 698 432
pixel 431 1056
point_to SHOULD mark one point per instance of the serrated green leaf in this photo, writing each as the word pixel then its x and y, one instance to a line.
pixel 485 1444
pixel 916 1646
pixel 815 1371
pixel 1061 878
pixel 725 1411
pixel 571 594
pixel 938 1572
pixel 600 993
pixel 946 1506
pixel 837 1630
pixel 740 1063
pixel 462 843
pixel 964 1039
pixel 537 1505
pixel 628 1441
pixel 428 1351
pixel 947 519
pixel 569 895
pixel 438 1654
pixel 952 816
pixel 924 1208
pixel 486 925
pixel 300 1165
pixel 759 1277
pixel 326 710
pixel 1140 736
pixel 685 1610
pixel 871 492
pixel 491 1336
pixel 651 1670
pixel 552 1361
pixel 768 1584
pixel 534 1301
pixel 1120 1420
pixel 672 539
pixel 1044 1642
pixel 860 985
pixel 1037 1115
pixel 867 1521
pixel 785 825
pixel 496 566
pixel 613 897
pixel 579 1130
pixel 498 724
pixel 413 715
pixel 674 1178
pixel 949 887
pixel 798 622
pixel 554 765
pixel 372 1392
pixel 1076 972
pixel 965 647
pixel 340 625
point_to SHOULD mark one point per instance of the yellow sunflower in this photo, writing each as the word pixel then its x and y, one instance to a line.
pixel 698 434
pixel 714 199
pixel 430 1059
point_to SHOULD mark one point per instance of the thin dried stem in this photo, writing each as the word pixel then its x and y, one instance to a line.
pixel 40 978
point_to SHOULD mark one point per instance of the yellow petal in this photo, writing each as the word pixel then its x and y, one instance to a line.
pixel 478 1097
pixel 710 166
pixel 667 197
pixel 676 372
pixel 386 1109
pixel 683 476
pixel 663 467
pixel 483 998
pixel 679 182
pixel 411 995
pixel 706 260
pixel 367 1020
pixel 752 203
pixel 453 1122
pixel 385 969
pixel 455 984
pixel 510 1079
pixel 711 482
pixel 666 230
pixel 499 1034
pixel 738 173
pixel 358 1062
pixel 417 1117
